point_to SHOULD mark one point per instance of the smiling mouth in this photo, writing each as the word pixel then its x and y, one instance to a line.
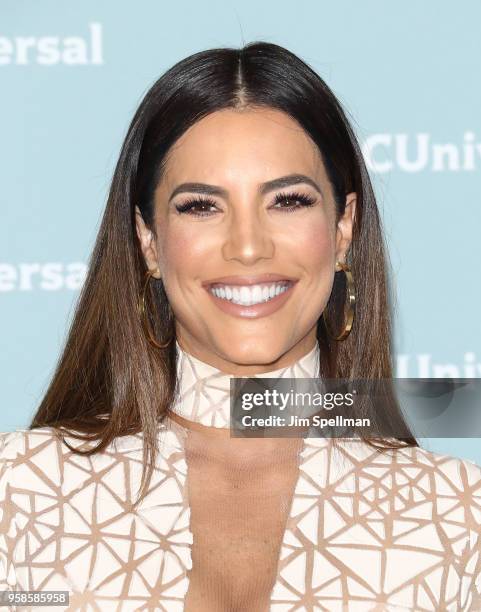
pixel 250 295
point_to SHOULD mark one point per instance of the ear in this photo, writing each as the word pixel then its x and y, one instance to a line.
pixel 344 227
pixel 147 244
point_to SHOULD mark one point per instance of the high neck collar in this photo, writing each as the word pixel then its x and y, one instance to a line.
pixel 204 390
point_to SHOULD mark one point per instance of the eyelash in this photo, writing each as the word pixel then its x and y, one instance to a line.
pixel 306 202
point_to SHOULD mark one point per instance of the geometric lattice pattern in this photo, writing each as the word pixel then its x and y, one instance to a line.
pixel 204 391
pixel 398 530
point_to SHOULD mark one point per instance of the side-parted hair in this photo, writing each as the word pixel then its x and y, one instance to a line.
pixel 109 381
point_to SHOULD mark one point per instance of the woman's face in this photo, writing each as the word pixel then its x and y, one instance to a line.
pixel 246 223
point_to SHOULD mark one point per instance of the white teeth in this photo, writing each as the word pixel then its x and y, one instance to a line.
pixel 257 294
pixel 249 295
pixel 245 295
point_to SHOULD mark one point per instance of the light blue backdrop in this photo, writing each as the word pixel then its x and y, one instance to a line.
pixel 72 74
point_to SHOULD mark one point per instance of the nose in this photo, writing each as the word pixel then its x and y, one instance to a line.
pixel 248 239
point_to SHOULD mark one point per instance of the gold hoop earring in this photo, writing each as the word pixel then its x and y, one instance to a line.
pixel 349 304
pixel 144 319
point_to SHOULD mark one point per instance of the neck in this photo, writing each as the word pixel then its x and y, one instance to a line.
pixel 203 392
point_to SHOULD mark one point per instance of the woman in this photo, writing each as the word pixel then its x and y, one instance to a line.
pixel 239 205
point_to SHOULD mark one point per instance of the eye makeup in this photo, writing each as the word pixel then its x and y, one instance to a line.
pixel 301 200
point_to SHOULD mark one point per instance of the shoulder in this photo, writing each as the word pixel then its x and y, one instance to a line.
pixel 429 485
pixel 416 460
pixel 13 442
pixel 39 461
pixel 21 444
pixel 45 460
pixel 452 483
pixel 439 473
pixel 448 473
pixel 21 448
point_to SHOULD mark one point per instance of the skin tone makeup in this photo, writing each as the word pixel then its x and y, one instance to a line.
pixel 246 240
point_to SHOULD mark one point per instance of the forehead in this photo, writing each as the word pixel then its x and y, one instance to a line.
pixel 252 145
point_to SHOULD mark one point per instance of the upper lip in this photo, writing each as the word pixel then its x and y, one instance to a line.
pixel 249 280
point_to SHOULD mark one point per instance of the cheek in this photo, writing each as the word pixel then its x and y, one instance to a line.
pixel 313 242
pixel 184 251
pixel 313 247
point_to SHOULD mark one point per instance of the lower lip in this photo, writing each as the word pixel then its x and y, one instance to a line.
pixel 255 311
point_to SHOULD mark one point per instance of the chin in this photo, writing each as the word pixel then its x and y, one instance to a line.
pixel 253 351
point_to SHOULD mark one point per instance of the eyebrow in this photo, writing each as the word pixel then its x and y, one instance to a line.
pixel 278 183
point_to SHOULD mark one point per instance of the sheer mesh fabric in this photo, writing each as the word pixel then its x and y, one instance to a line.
pixel 240 492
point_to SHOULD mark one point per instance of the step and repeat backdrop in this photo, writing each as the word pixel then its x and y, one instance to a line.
pixel 408 74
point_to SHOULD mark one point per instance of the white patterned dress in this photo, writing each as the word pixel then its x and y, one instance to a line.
pixel 363 530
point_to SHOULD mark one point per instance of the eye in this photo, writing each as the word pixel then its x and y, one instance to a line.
pixel 296 201
pixel 197 203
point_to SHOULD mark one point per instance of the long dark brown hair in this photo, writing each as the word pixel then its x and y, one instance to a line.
pixel 107 367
